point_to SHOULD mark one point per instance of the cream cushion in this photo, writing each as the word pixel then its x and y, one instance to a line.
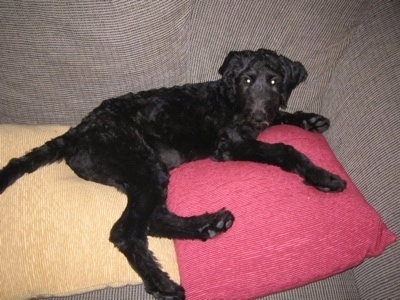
pixel 54 228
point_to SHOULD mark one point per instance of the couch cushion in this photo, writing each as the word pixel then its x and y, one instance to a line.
pixel 62 58
pixel 74 55
pixel 55 228
pixel 363 104
pixel 286 234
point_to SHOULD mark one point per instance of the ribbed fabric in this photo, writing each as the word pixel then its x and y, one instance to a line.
pixel 333 288
pixel 285 234
pixel 363 104
pixel 72 55
pixel 129 292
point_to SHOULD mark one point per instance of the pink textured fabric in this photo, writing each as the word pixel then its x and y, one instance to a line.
pixel 285 235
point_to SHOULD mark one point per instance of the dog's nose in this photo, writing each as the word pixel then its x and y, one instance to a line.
pixel 259 116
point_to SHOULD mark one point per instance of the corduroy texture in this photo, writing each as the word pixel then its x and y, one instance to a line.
pixel 130 292
pixel 364 106
pixel 285 235
pixel 72 55
pixel 55 227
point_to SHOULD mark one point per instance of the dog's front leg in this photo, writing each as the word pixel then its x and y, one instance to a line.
pixel 284 156
pixel 308 121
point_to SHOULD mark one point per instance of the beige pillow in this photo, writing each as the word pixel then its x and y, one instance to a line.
pixel 54 228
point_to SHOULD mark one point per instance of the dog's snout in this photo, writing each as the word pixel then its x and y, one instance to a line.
pixel 259 116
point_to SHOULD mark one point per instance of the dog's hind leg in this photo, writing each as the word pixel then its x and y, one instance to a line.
pixel 129 236
pixel 146 190
pixel 164 223
pixel 131 166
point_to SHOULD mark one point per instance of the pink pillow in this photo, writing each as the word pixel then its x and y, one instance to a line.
pixel 285 235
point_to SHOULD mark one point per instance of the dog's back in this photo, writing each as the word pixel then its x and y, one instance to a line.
pixel 173 121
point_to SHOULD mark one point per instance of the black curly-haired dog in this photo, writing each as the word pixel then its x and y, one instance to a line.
pixel 131 143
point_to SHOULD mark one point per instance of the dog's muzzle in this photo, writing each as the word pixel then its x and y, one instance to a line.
pixel 259 120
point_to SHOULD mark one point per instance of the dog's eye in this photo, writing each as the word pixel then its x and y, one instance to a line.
pixel 274 81
pixel 248 81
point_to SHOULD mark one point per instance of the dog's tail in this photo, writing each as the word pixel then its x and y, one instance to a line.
pixel 52 151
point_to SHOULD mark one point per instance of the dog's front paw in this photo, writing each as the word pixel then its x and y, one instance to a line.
pixel 314 122
pixel 218 223
pixel 324 180
pixel 223 150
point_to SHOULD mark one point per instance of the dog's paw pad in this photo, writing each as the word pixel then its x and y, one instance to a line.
pixel 211 233
pixel 218 223
pixel 316 123
pixel 228 224
pixel 324 180
pixel 334 184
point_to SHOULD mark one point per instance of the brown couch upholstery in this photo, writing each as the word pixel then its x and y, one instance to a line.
pixel 59 59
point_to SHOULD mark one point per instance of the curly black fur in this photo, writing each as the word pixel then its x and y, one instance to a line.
pixel 131 142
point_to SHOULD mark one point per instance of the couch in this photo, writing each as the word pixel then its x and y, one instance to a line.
pixel 59 59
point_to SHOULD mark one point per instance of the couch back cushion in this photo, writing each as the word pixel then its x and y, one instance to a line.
pixel 62 58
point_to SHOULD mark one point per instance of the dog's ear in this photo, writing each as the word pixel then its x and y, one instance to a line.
pixel 235 61
pixel 295 73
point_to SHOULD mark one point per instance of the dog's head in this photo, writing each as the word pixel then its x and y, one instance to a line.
pixel 261 81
